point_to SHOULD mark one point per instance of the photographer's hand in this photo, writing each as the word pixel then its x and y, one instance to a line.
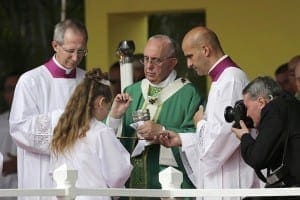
pixel 239 132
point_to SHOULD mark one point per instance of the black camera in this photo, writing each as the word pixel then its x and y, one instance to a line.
pixel 237 113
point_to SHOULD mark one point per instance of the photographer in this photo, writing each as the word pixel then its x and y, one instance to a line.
pixel 276 118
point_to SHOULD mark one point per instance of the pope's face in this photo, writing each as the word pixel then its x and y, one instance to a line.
pixel 157 62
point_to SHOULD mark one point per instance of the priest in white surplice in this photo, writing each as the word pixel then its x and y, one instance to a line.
pixel 212 155
pixel 40 97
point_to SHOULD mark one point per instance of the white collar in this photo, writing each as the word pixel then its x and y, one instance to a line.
pixel 222 58
pixel 171 78
pixel 67 71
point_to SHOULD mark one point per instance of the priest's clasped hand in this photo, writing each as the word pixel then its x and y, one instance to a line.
pixel 198 115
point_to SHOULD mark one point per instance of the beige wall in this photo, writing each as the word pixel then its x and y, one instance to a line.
pixel 259 34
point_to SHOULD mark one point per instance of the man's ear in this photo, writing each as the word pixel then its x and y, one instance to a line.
pixel 262 102
pixel 205 50
pixel 55 46
pixel 174 62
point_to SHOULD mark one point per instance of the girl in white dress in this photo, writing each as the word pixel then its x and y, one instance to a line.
pixel 83 142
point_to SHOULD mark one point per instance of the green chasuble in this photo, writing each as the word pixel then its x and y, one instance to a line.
pixel 176 113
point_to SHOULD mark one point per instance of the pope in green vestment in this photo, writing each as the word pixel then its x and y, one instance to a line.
pixel 174 112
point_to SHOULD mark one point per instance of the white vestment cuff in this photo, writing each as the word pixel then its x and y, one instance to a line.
pixel 113 122
pixel 187 140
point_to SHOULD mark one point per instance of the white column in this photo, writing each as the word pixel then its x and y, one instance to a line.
pixel 66 178
pixel 170 178
pixel 126 74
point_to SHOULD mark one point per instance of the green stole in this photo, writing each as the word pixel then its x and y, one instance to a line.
pixel 154 99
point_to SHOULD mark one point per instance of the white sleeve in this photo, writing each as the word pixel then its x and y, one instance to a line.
pixel 213 143
pixel 115 160
pixel 218 142
pixel 115 124
pixel 31 129
pixel 190 153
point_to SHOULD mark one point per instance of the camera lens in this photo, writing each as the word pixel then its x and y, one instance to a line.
pixel 229 114
pixel 237 113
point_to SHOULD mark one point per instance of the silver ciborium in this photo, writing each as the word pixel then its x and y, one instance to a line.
pixel 141 115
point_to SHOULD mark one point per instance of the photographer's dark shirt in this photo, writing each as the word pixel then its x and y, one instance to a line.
pixel 277 117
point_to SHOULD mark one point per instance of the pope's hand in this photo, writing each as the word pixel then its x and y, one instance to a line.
pixel 149 129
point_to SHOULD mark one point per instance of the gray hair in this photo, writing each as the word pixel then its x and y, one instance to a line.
pixel 263 86
pixel 61 27
pixel 173 45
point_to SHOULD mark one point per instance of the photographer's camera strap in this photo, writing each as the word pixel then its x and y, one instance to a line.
pixel 285 137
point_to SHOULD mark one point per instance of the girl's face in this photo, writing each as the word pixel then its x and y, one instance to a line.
pixel 101 108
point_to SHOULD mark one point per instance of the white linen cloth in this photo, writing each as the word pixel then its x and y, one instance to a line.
pixel 140 147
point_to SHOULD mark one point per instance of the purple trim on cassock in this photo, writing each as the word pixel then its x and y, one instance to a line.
pixel 217 71
pixel 58 72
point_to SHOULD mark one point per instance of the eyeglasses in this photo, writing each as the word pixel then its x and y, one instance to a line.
pixel 79 52
pixel 154 61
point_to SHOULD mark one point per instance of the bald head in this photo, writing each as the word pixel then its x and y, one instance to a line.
pixel 202 49
pixel 203 36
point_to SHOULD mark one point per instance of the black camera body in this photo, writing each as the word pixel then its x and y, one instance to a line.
pixel 237 113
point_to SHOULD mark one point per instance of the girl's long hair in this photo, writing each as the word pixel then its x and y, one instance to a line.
pixel 75 121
